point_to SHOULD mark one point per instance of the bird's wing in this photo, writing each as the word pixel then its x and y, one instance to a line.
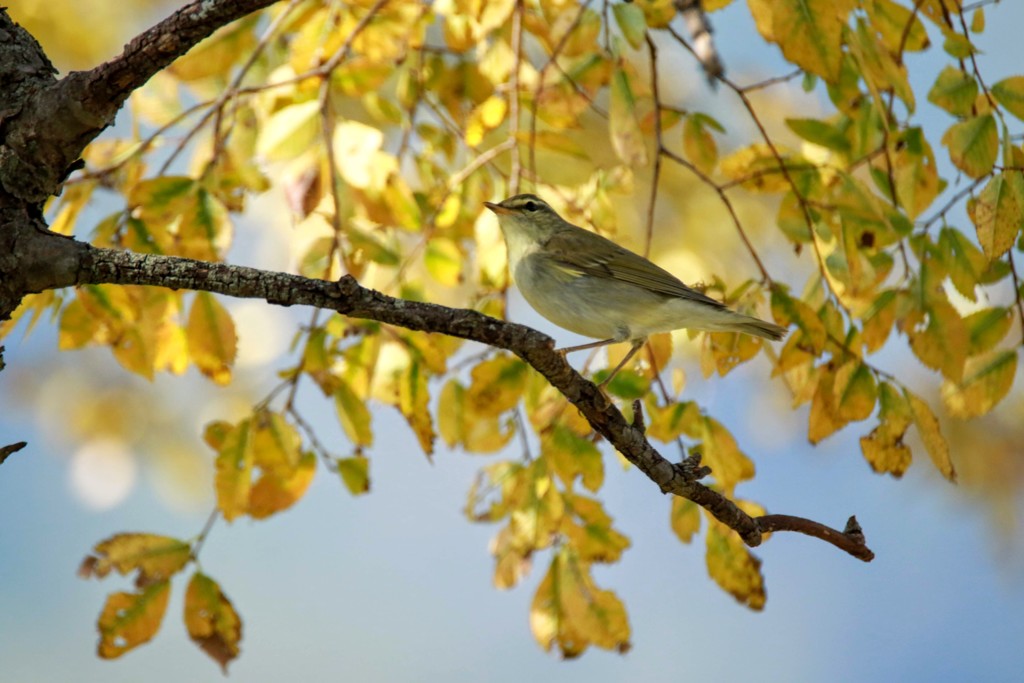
pixel 613 262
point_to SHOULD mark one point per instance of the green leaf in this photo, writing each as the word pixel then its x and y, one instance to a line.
pixel 955 91
pixel 973 145
pixel 632 23
pixel 289 132
pixel 355 474
pixel 624 127
pixel 353 414
pixel 820 133
pixel 1009 92
pixel 986 328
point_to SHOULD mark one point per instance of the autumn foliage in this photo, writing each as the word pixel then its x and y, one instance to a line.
pixel 385 124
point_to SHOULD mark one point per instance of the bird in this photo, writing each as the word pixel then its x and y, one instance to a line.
pixel 587 284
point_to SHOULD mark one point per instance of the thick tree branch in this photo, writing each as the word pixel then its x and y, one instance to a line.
pixel 48 122
pixel 348 297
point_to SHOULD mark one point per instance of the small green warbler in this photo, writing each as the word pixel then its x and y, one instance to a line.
pixel 589 285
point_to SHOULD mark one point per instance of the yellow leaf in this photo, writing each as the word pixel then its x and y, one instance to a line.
pixel 973 145
pixel 233 478
pixel 156 558
pixel 885 456
pixel 756 167
pixel 212 59
pixel 498 384
pixel 684 518
pixel 360 160
pixel 788 310
pixel 211 620
pixel 810 33
pixel 733 567
pixel 914 172
pixel 928 427
pixel 290 131
pixel 511 559
pixel 77 327
pixel 898 27
pixel 592 539
pixel 355 474
pixel 986 382
pixel 883 448
pixel 879 319
pixel 942 345
pixel 669 422
pixel 131 619
pixel 998 212
pixel 624 127
pixel 570 611
pixel 353 414
pixel 571 455
pixel 274 492
pixel 824 418
pixel 212 344
pixel 721 453
pixel 487 116
pixel 723 351
pixel 444 261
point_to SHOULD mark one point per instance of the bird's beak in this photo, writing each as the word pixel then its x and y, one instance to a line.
pixel 496 208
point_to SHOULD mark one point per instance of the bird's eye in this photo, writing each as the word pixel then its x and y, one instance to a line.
pixel 531 206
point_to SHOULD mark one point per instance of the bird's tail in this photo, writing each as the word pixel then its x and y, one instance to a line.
pixel 737 322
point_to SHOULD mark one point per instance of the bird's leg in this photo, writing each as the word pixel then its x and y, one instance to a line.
pixel 637 345
pixel 582 347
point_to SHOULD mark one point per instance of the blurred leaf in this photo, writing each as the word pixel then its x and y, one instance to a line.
pixel 624 128
pixel 1009 92
pixel 954 90
pixel 998 212
pixel 973 145
pixel 684 518
pixel 569 610
pixel 571 456
pixel 290 131
pixel 233 478
pixel 211 620
pixel 131 619
pixel 928 428
pixel 820 133
pixel 355 474
pixel 212 343
pixel 733 567
pixel 156 558
pixel 353 414
pixel 698 144
pixel 632 23
pixel 414 403
pixel 824 418
pixel 810 33
pixel 883 448
pixel 986 382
